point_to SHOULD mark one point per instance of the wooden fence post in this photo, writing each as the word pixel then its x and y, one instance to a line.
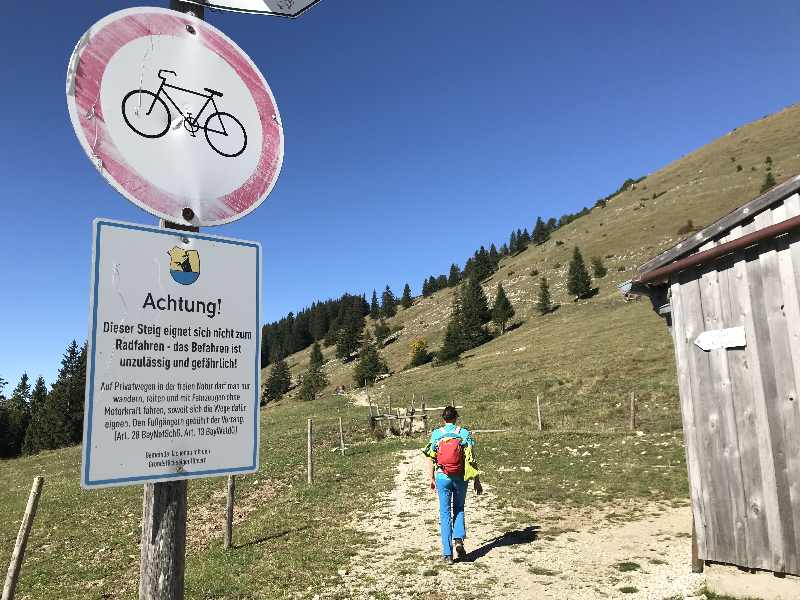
pixel 341 436
pixel 310 451
pixel 163 555
pixel 229 512
pixel 22 539
pixel 633 411
pixel 697 562
pixel 539 412
pixel 424 417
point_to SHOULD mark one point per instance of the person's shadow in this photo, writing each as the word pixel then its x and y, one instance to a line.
pixel 510 538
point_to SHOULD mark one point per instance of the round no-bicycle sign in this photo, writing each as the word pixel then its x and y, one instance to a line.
pixel 175 116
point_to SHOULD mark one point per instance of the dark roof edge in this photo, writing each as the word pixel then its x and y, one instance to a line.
pixel 773 196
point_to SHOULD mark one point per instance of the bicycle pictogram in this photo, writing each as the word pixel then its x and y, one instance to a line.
pixel 148 114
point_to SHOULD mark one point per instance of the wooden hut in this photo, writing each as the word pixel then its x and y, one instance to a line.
pixel 731 297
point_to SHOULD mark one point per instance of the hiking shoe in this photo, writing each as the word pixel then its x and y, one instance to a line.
pixel 459 546
pixel 448 560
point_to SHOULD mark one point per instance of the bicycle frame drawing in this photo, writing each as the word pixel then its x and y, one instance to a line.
pixel 190 122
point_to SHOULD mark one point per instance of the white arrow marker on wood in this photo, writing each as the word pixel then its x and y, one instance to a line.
pixel 717 339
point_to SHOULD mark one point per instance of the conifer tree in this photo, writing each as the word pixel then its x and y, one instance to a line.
pixel 474 313
pixel 316 359
pixel 769 182
pixel 36 435
pixel 540 232
pixel 544 305
pixel 18 411
pixel 513 243
pixel 314 380
pixel 388 303
pixel 503 310
pixel 405 300
pixel 504 250
pixel 453 343
pixel 598 267
pixel 454 277
pixel 551 226
pixel 370 364
pixel 279 381
pixel 525 238
pixel 426 288
pixel 348 339
pixel 441 282
pixel 374 307
pixel 5 432
pixel 579 283
pixel 494 257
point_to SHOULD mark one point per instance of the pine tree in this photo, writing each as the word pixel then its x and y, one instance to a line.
pixel 525 238
pixel 426 288
pixel 579 283
pixel 61 420
pixel 441 282
pixel 406 301
pixel 453 344
pixel 18 411
pixel 455 276
pixel 769 182
pixel 312 383
pixel 502 310
pixel 374 307
pixel 494 256
pixel 474 313
pixel 279 381
pixel 544 305
pixel 540 232
pixel 598 267
pixel 504 250
pixel 316 359
pixel 314 379
pixel 36 434
pixel 388 303
pixel 348 339
pixel 370 364
pixel 513 243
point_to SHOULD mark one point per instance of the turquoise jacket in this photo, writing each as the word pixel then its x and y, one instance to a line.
pixel 451 430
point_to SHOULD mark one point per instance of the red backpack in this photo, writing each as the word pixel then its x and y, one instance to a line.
pixel 450 455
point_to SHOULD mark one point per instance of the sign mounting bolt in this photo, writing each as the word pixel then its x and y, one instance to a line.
pixel 190 29
pixel 188 214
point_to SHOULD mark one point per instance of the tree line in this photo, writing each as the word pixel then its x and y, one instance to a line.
pixel 34 418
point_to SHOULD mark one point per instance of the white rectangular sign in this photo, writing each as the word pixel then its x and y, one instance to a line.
pixel 172 383
pixel 280 8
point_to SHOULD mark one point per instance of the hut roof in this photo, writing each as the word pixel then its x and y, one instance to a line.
pixel 729 221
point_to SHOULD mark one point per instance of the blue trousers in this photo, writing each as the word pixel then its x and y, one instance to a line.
pixel 452 494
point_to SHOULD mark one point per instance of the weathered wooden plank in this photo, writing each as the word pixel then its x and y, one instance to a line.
pixel 707 413
pixel 736 307
pixel 727 471
pixel 773 350
pixel 687 323
pixel 730 220
pixel 788 253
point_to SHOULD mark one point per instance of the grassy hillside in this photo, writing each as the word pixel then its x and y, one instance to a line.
pixel 594 351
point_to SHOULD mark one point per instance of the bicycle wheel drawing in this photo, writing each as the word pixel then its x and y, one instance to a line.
pixel 146 114
pixel 225 134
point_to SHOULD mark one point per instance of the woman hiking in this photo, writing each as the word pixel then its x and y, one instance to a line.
pixel 452 466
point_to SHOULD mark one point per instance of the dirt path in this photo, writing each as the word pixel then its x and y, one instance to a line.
pixel 578 557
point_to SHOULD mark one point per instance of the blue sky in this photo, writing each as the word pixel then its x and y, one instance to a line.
pixel 414 133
